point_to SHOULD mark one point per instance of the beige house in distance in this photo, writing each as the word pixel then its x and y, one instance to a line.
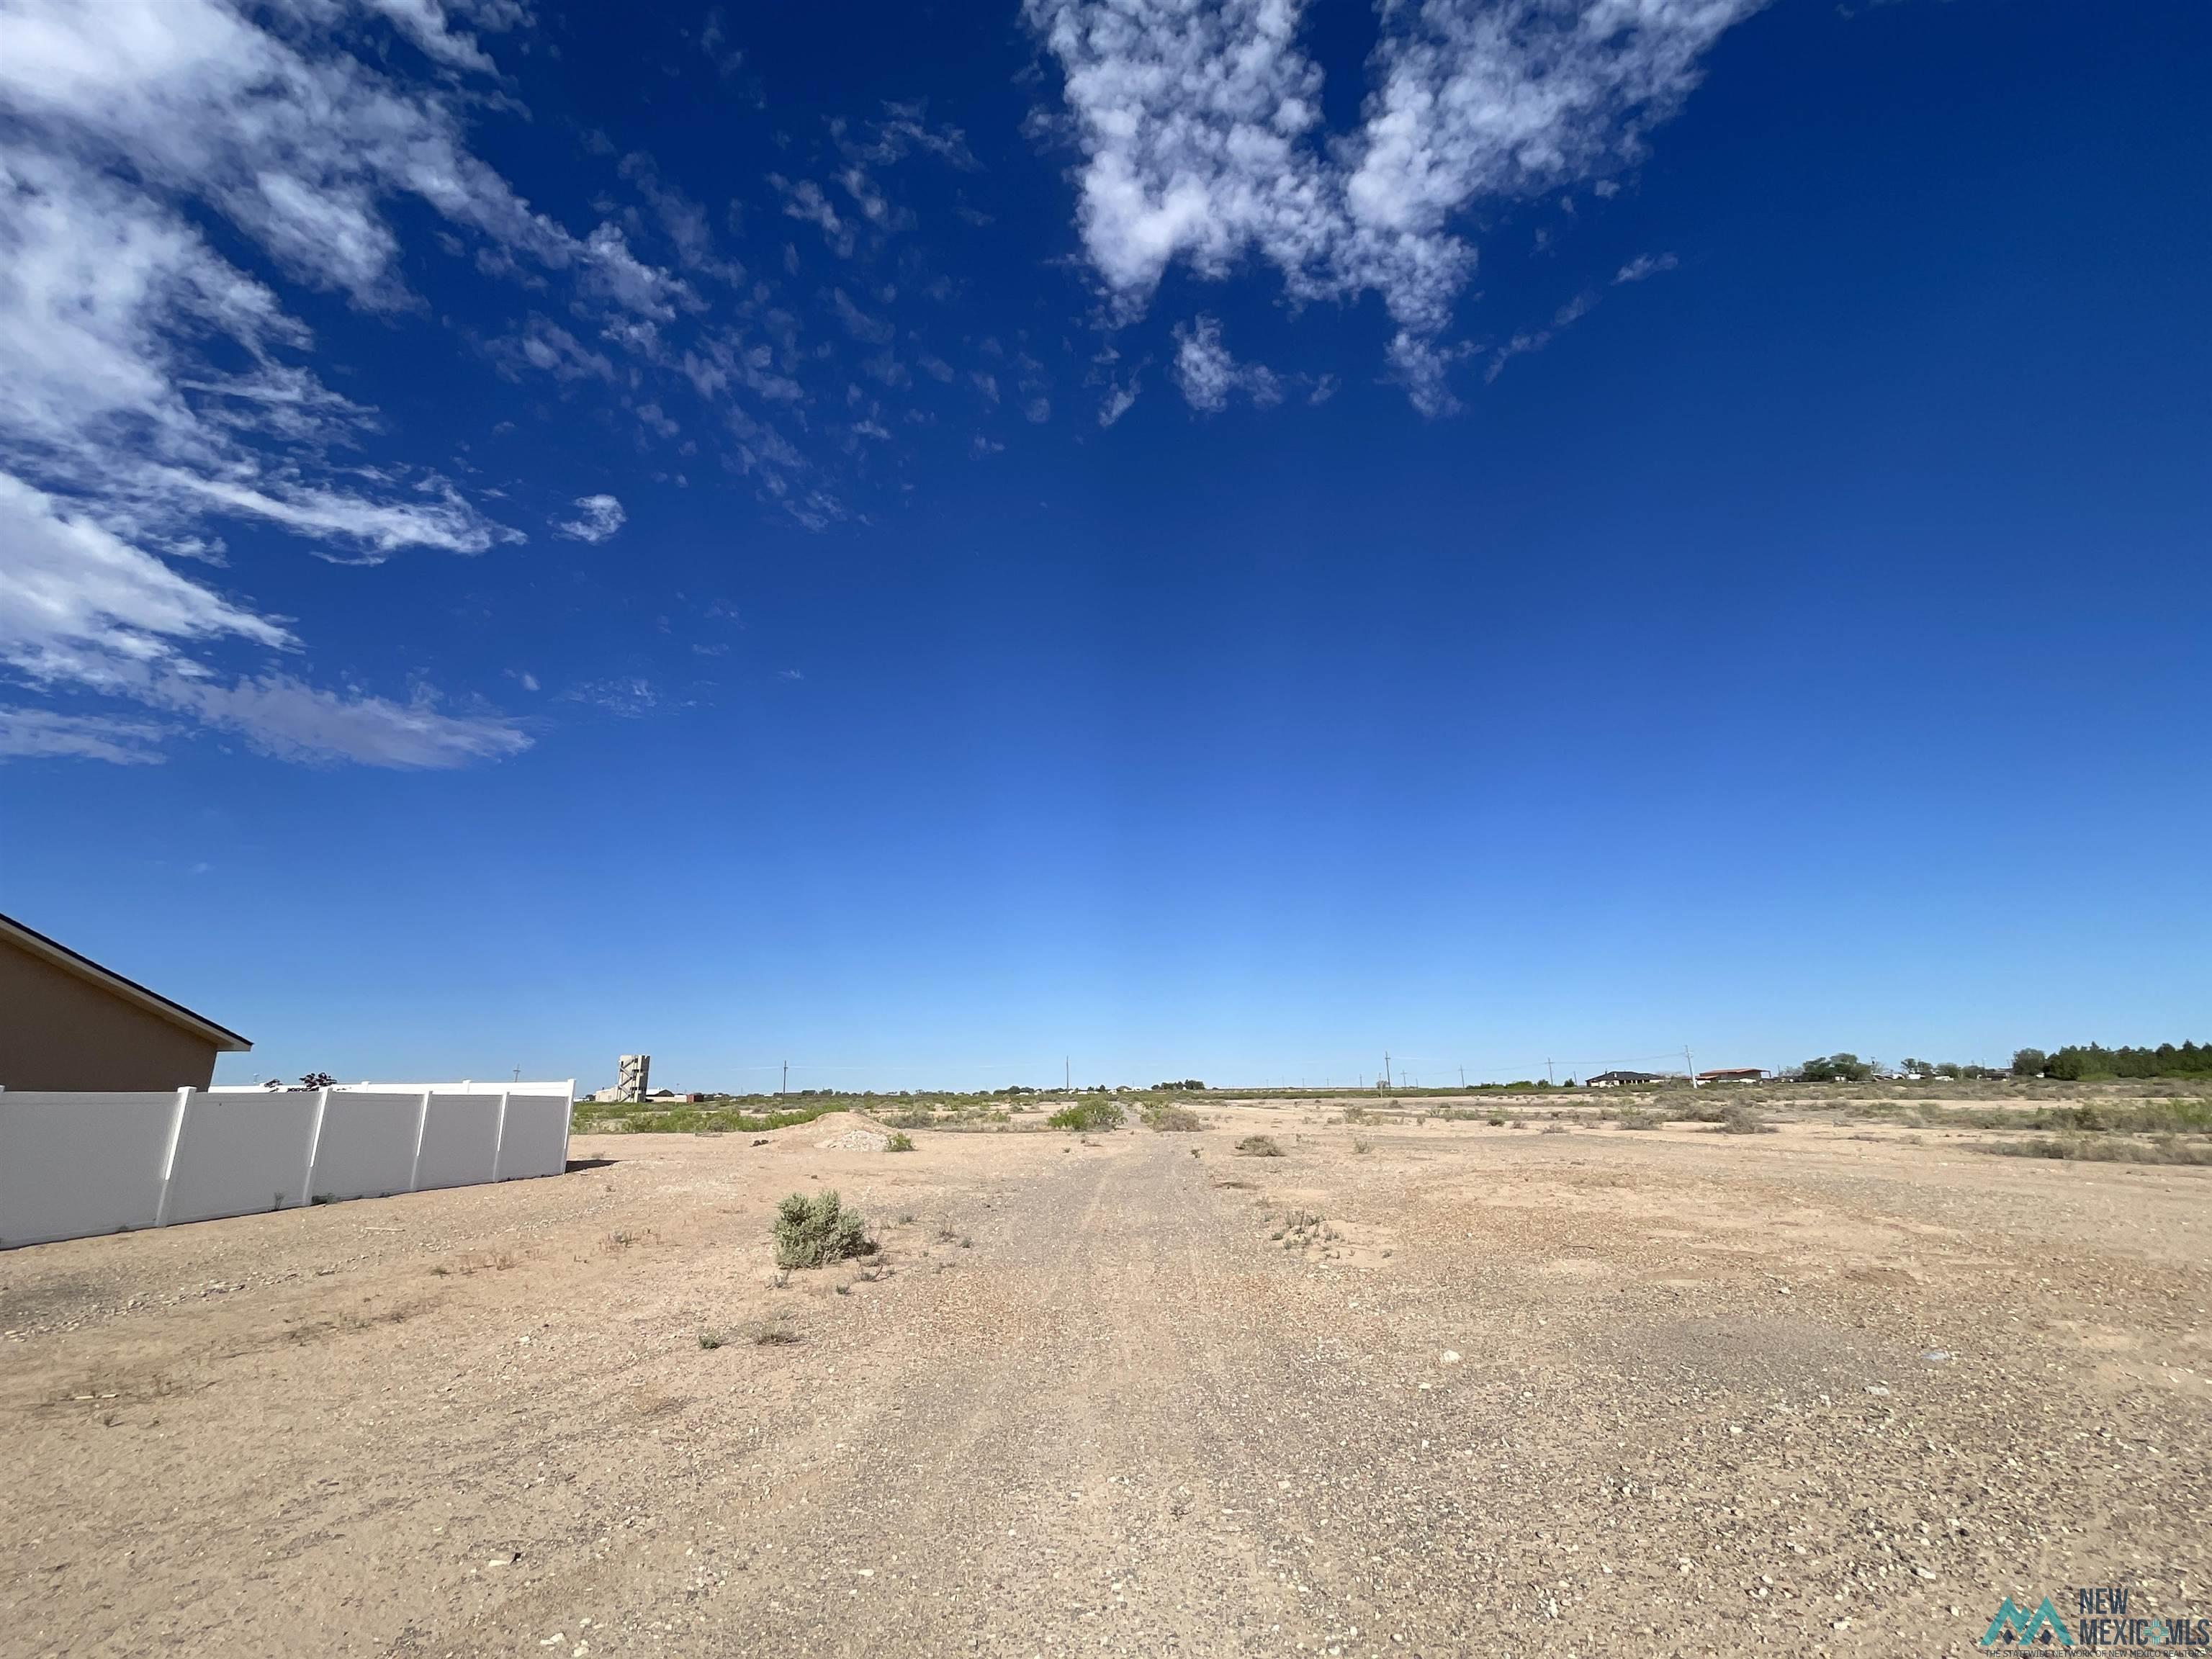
pixel 68 1022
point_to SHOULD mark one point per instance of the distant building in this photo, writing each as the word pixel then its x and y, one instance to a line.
pixel 68 1022
pixel 1734 1074
pixel 1624 1079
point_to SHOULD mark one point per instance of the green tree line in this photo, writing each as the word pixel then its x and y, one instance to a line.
pixel 2078 1061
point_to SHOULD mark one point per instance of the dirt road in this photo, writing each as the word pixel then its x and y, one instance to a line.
pixel 1474 1390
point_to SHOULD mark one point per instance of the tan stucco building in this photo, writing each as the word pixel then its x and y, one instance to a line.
pixel 68 1022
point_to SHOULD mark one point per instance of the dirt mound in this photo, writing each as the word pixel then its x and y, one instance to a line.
pixel 856 1141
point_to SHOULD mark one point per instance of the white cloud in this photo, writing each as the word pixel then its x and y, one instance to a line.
pixel 1644 266
pixel 1201 131
pixel 46 734
pixel 597 517
pixel 79 602
pixel 149 383
pixel 291 720
pixel 82 609
pixel 1121 399
pixel 1209 377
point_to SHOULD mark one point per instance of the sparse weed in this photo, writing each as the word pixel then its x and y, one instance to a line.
pixel 773 1330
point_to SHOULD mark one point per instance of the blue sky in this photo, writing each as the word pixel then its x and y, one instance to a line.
pixel 921 541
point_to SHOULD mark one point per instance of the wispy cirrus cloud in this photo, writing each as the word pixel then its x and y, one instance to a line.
pixel 85 611
pixel 1644 265
pixel 1202 140
pixel 151 387
pixel 176 174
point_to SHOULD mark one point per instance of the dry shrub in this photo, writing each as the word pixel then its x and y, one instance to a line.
pixel 814 1232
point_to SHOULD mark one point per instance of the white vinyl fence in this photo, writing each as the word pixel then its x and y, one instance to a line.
pixel 74 1165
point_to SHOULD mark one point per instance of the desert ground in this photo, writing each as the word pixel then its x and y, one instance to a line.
pixel 1548 1387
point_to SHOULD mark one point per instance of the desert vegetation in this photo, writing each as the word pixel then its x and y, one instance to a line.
pixel 1169 1117
pixel 813 1231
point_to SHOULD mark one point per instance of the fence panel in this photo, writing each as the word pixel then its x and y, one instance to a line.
pixel 76 1164
pixel 367 1146
pixel 73 1165
pixel 239 1154
pixel 460 1141
pixel 536 1141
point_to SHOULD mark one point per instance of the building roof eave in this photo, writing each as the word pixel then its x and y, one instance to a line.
pixel 36 943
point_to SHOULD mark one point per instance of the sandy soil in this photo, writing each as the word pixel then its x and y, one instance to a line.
pixel 1475 1391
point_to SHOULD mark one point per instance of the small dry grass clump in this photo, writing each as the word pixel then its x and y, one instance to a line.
pixel 1259 1146
pixel 2163 1149
pixel 1742 1121
pixel 814 1232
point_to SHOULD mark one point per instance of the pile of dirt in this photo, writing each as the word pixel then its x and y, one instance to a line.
pixel 855 1140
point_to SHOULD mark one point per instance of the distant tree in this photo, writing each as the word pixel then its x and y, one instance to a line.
pixel 1837 1068
pixel 2028 1062
pixel 2079 1061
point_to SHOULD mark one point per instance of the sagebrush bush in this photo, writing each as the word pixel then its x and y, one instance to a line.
pixel 1086 1117
pixel 814 1232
